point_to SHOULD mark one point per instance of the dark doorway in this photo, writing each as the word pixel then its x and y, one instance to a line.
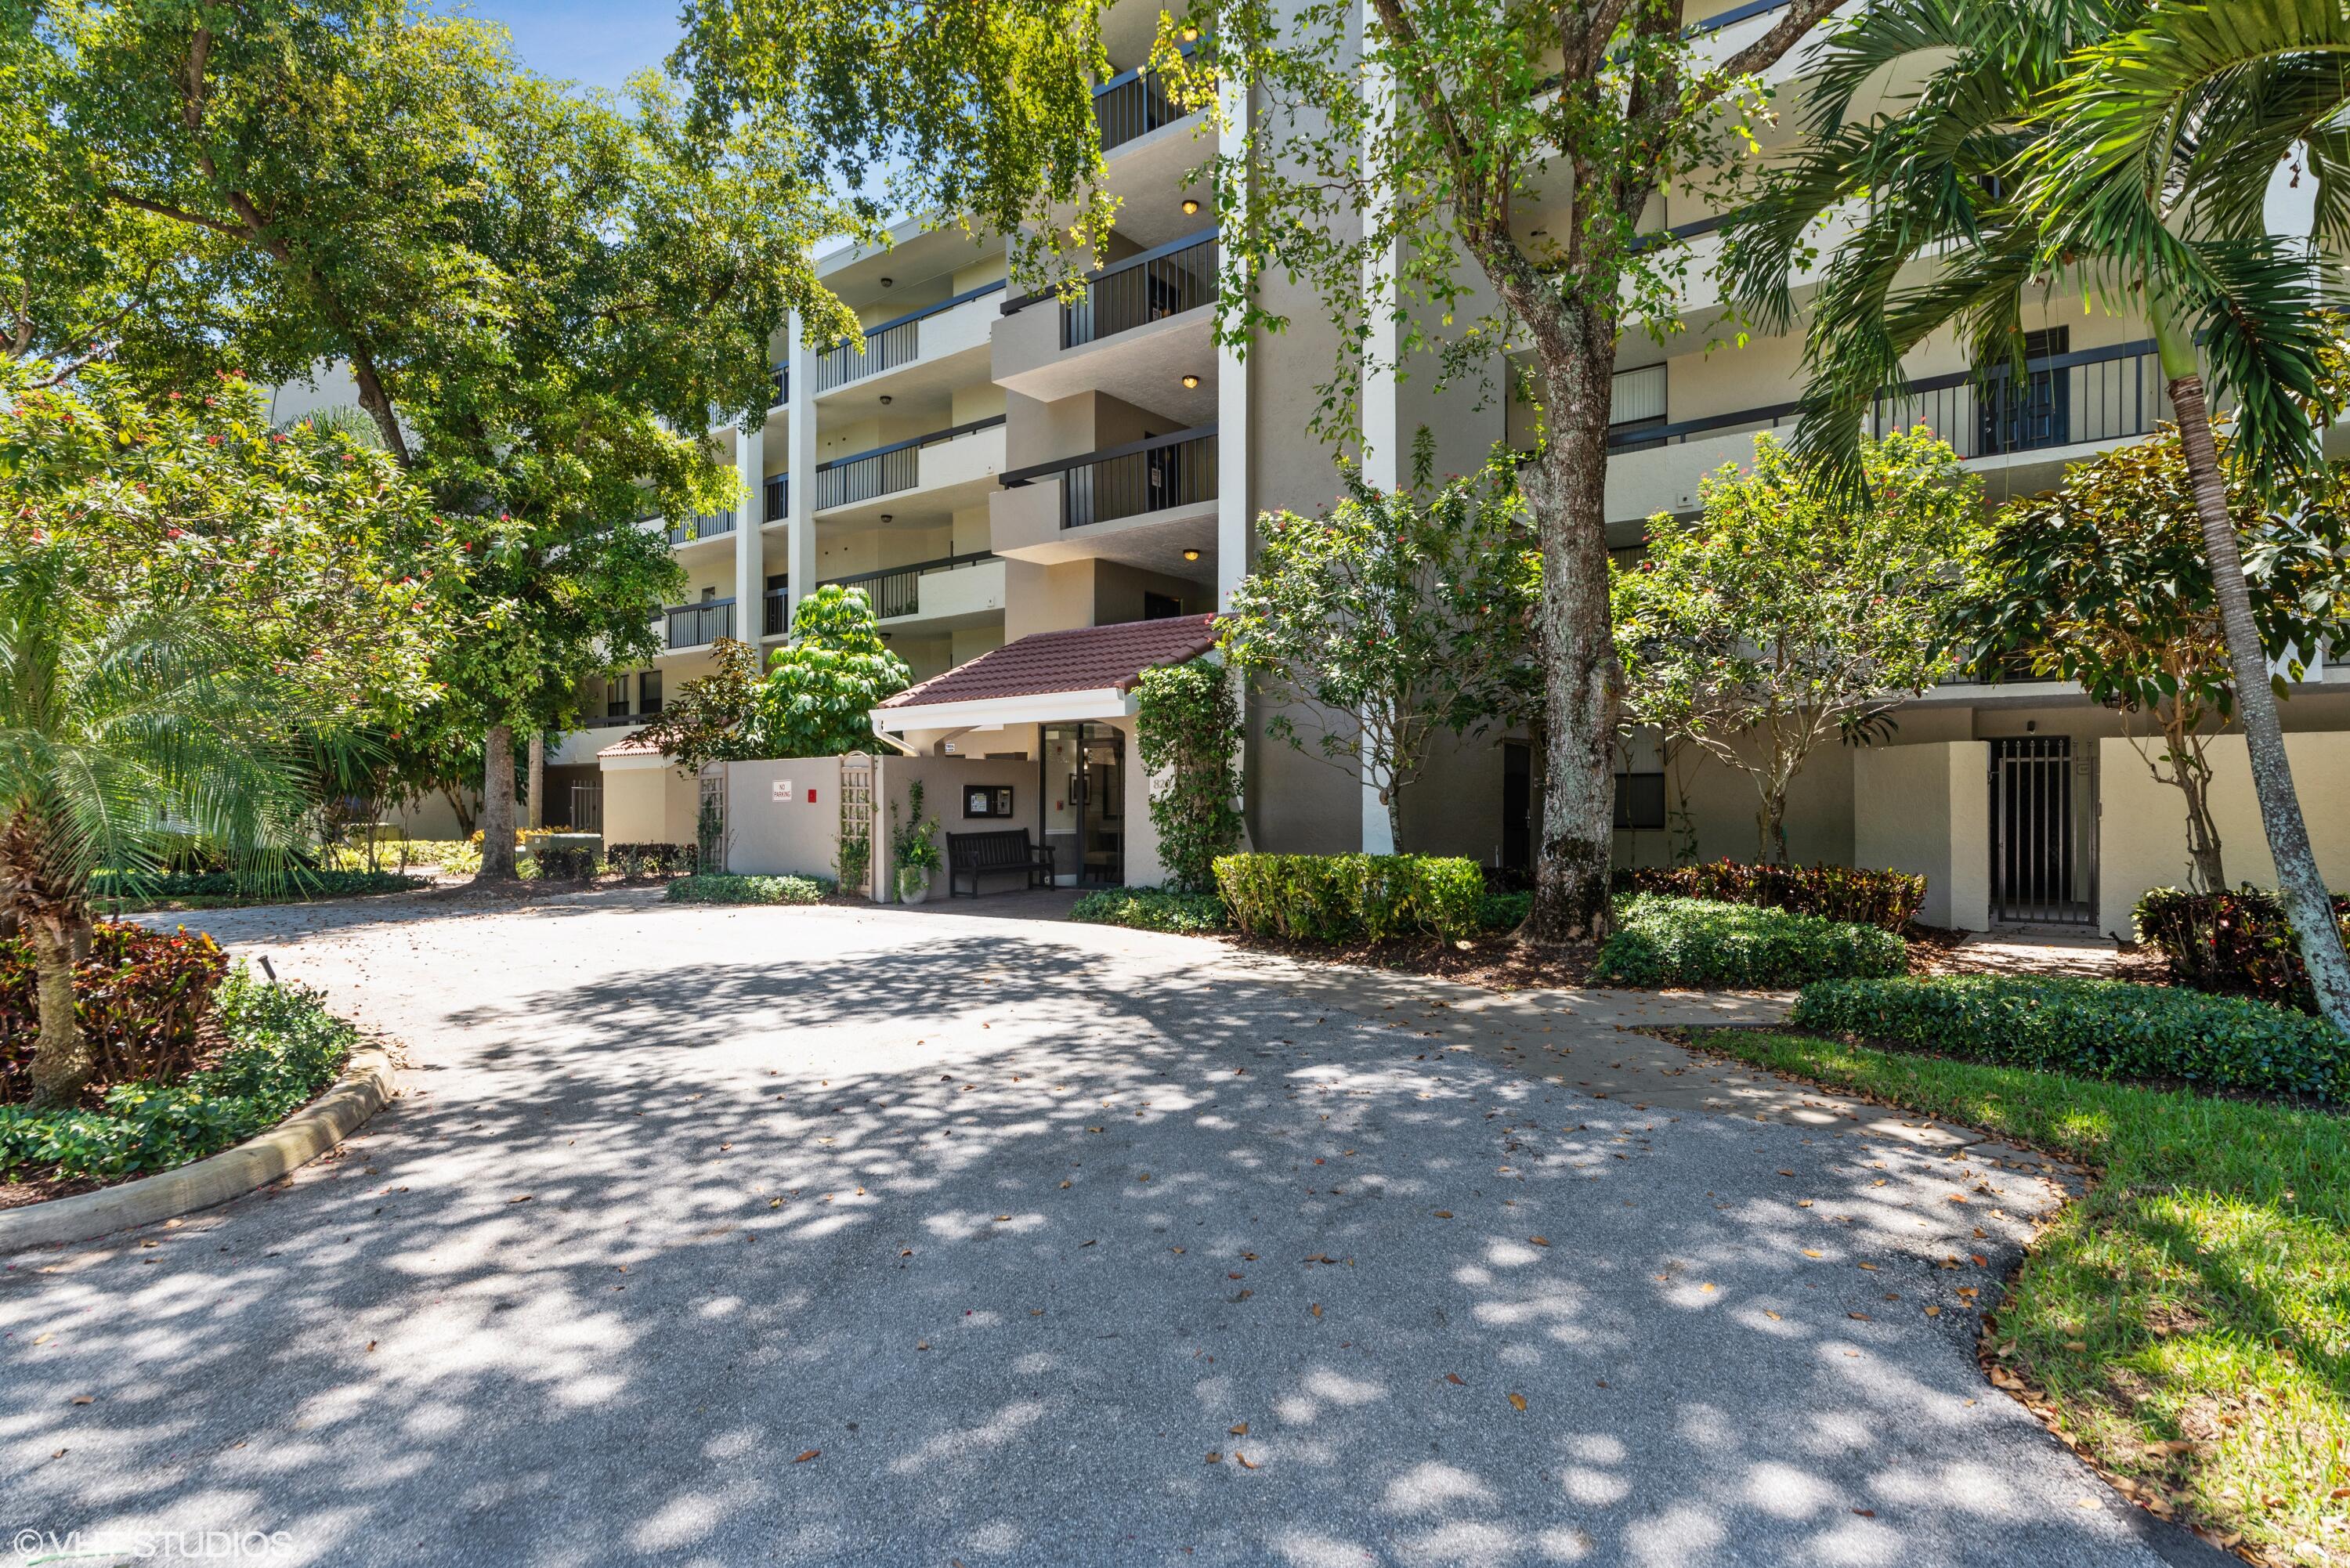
pixel 2043 837
pixel 2032 412
pixel 1081 803
pixel 1517 803
pixel 1161 607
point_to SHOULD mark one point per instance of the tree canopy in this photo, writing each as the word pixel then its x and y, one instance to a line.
pixel 820 690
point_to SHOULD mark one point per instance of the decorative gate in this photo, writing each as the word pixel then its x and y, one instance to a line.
pixel 2043 832
pixel 710 820
pixel 856 865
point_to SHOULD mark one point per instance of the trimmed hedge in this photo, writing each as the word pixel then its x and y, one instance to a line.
pixel 720 888
pixel 567 862
pixel 2095 1028
pixel 2237 942
pixel 1886 899
pixel 294 884
pixel 1503 911
pixel 284 1048
pixel 651 859
pixel 139 997
pixel 1661 940
pixel 1151 909
pixel 1350 898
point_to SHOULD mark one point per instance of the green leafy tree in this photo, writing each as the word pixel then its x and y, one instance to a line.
pixel 1492 168
pixel 1788 614
pixel 2104 583
pixel 1386 623
pixel 1187 736
pixel 194 610
pixel 543 300
pixel 821 689
pixel 712 718
pixel 2127 150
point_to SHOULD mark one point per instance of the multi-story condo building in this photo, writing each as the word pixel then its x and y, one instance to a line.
pixel 1022 485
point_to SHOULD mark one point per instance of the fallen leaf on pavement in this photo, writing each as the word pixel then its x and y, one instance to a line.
pixel 1517 1401
pixel 1241 1430
pixel 806 1457
pixel 1454 1379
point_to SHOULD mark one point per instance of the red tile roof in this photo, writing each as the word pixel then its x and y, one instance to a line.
pixel 1090 659
pixel 634 746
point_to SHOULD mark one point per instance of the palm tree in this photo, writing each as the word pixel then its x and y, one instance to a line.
pixel 122 729
pixel 2125 147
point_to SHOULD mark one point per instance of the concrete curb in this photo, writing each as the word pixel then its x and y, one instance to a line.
pixel 359 1094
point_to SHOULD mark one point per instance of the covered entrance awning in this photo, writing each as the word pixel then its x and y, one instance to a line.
pixel 1048 678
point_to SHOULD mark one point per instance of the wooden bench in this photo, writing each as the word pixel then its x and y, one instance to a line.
pixel 1002 852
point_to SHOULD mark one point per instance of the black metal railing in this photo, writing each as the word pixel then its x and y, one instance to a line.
pixel 692 626
pixel 776 615
pixel 891 344
pixel 612 720
pixel 1167 281
pixel 705 526
pixel 897 590
pixel 781 374
pixel 1132 104
pixel 2115 393
pixel 885 470
pixel 1149 475
pixel 778 498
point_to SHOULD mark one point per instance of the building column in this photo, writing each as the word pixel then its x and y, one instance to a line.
pixel 750 544
pixel 1233 514
pixel 799 531
pixel 1380 419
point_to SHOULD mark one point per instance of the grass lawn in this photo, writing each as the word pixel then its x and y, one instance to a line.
pixel 2188 1321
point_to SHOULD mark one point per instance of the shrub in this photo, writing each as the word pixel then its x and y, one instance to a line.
pixel 1503 911
pixel 567 862
pixel 651 859
pixel 139 998
pixel 2096 1028
pixel 296 883
pixel 1188 737
pixel 285 1047
pixel 1888 899
pixel 2234 943
pixel 1350 898
pixel 720 888
pixel 1151 909
pixel 1662 940
pixel 423 851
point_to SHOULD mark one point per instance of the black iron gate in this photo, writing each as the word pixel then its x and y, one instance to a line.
pixel 2043 832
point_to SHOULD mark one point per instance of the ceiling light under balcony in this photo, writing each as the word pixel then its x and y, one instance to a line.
pixel 1190 207
pixel 887 281
pixel 1191 554
pixel 888 516
pixel 1190 383
pixel 885 399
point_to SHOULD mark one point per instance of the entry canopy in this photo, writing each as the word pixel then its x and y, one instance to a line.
pixel 1049 677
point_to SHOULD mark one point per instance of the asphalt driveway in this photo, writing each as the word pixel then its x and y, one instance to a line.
pixel 831 1236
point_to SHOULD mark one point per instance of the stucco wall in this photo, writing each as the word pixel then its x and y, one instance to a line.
pixel 647 805
pixel 1924 808
pixel 783 817
pixel 2145 823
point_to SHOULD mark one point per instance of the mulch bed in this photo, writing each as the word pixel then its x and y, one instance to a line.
pixel 1497 963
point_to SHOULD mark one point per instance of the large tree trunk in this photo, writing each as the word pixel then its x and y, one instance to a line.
pixel 537 815
pixel 62 1058
pixel 2300 886
pixel 497 805
pixel 1566 491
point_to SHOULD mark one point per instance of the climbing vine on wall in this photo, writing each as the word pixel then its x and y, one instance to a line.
pixel 1188 740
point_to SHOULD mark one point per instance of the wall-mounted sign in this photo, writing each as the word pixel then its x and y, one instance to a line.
pixel 782 791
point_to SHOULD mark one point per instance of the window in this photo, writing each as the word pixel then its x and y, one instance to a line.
pixel 987 800
pixel 1639 801
pixel 616 695
pixel 1161 607
pixel 649 693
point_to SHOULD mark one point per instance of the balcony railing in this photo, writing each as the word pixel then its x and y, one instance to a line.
pixel 695 624
pixel 1168 281
pixel 897 590
pixel 705 526
pixel 781 374
pixel 1177 470
pixel 887 347
pixel 885 470
pixel 2062 400
pixel 779 497
pixel 775 617
pixel 1131 104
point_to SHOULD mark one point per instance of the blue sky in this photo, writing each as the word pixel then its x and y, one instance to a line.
pixel 597 42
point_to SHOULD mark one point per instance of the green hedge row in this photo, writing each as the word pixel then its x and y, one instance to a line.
pixel 285 1047
pixel 720 888
pixel 1888 900
pixel 1663 940
pixel 2095 1028
pixel 1151 909
pixel 1351 897
pixel 295 883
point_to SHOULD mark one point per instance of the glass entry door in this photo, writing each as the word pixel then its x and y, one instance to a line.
pixel 1081 798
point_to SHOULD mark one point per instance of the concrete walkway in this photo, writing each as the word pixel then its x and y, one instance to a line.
pixel 829 1236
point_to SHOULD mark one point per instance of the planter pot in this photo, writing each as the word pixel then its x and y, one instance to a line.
pixel 913 887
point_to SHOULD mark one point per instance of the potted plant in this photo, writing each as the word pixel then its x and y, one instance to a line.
pixel 911 850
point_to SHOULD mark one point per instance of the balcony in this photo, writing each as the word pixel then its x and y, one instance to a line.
pixel 952 590
pixel 1141 325
pixel 703 525
pixel 1145 503
pixel 781 374
pixel 776 616
pixel 778 502
pixel 937 336
pixel 694 626
pixel 942 471
pixel 2061 403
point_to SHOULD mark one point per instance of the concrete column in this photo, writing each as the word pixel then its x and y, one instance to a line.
pixel 799 532
pixel 1235 515
pixel 750 548
pixel 1381 434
